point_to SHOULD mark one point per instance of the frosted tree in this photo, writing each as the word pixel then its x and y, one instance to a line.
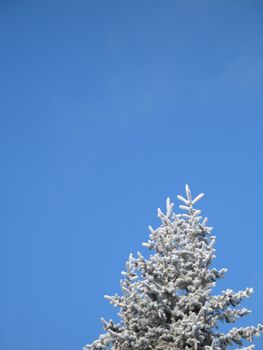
pixel 167 301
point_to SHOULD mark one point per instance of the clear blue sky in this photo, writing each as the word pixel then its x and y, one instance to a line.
pixel 107 108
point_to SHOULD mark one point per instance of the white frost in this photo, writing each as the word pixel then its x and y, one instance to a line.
pixel 167 301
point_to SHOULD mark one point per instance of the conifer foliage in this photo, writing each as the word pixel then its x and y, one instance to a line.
pixel 167 301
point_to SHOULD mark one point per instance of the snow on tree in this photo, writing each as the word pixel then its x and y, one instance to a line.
pixel 167 301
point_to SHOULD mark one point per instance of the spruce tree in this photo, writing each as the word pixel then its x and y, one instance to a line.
pixel 167 301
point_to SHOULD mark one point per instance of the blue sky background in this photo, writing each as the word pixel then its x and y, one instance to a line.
pixel 107 108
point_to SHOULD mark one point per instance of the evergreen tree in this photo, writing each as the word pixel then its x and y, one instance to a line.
pixel 167 302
